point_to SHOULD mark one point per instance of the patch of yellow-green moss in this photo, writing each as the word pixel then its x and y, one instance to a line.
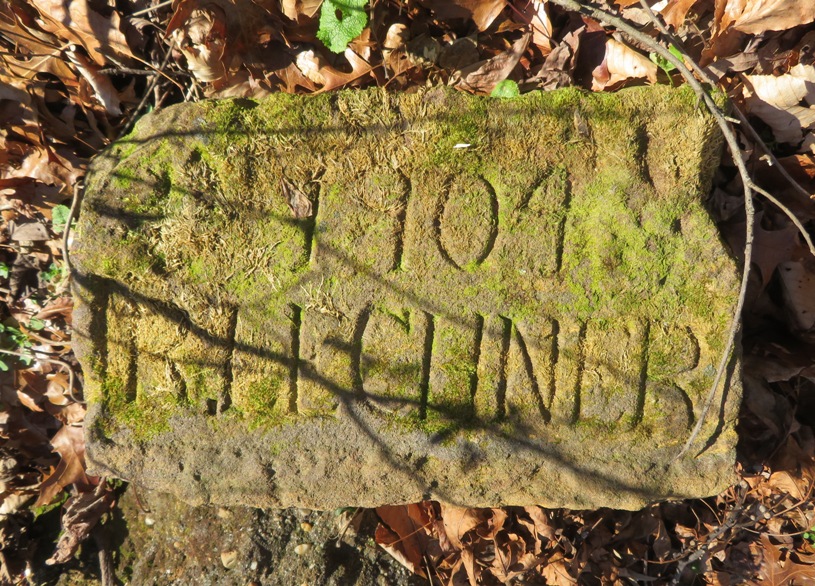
pixel 214 223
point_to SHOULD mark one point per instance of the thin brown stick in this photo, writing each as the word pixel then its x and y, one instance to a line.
pixel 150 9
pixel 66 232
pixel 153 81
pixel 788 213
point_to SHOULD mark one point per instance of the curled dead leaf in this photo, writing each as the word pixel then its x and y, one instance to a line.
pixel 102 86
pixel 482 77
pixel 397 36
pixel 298 202
pixel 202 40
pixel 77 22
pixel 300 10
pixel 675 12
pixel 798 287
pixel 622 63
pixel 458 521
pixel 536 15
pixel 80 515
pixel 403 533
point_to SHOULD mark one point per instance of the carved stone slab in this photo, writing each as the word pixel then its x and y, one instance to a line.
pixel 366 298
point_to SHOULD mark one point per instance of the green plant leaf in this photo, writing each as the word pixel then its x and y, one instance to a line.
pixel 663 63
pixel 341 21
pixel 59 217
pixel 4 270
pixel 506 89
pixel 36 324
pixel 3 366
pixel 52 273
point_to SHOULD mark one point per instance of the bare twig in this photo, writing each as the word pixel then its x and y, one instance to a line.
pixel 153 81
pixel 153 8
pixel 731 522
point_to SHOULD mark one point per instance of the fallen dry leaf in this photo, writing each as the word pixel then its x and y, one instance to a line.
pixel 535 14
pixel 770 247
pixel 758 16
pixel 397 36
pixel 777 100
pixel 778 567
pixel 77 22
pixel 481 12
pixel 798 287
pixel 482 77
pixel 458 521
pixel 69 443
pixel 675 12
pixel 622 63
pixel 102 86
pixel 202 40
pixel 298 202
pixel 300 10
pixel 403 534
pixel 81 514
pixel 335 79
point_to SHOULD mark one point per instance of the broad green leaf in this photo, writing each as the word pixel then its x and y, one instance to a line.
pixel 506 89
pixel 36 324
pixel 59 217
pixel 4 270
pixel 341 21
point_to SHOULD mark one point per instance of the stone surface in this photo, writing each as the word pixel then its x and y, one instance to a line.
pixel 488 304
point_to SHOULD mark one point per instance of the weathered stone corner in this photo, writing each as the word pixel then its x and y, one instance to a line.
pixel 365 298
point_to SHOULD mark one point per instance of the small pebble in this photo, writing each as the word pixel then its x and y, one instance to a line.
pixel 224 513
pixel 149 521
pixel 229 559
pixel 306 526
pixel 254 565
pixel 302 549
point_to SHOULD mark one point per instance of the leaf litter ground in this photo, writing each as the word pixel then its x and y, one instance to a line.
pixel 76 75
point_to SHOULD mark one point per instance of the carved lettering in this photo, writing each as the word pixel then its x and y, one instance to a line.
pixel 393 352
pixel 467 221
pixel 453 366
pixel 613 383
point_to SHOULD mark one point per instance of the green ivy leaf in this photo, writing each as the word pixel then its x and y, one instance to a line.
pixel 506 89
pixel 59 217
pixel 341 21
